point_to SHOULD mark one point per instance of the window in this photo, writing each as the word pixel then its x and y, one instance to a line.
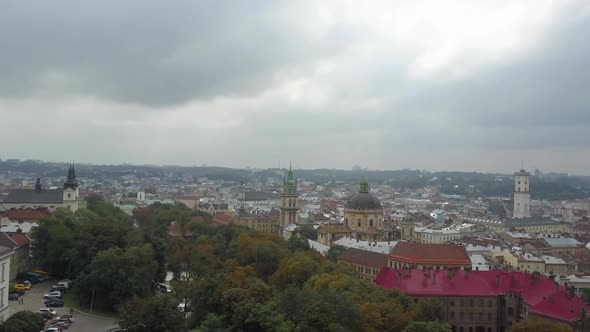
pixel 490 303
pixel 371 223
pixel 452 315
pixel 480 303
pixel 359 224
pixel 489 316
pixel 69 195
pixel 451 302
pixel 3 272
pixel 471 303
pixel 480 316
pixel 471 316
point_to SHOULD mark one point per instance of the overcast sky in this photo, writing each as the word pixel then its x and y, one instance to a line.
pixel 438 85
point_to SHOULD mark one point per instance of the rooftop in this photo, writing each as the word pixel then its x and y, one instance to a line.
pixel 26 196
pixel 542 294
pixel 420 253
pixel 363 257
pixel 562 242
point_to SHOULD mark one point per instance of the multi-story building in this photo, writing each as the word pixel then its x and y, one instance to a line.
pixel 20 261
pixel 67 197
pixel 521 261
pixel 436 236
pixel 191 201
pixel 563 246
pixel 5 256
pixel 264 222
pixel 330 233
pixel 412 255
pixel 366 263
pixel 289 203
pixel 486 301
pixel 363 215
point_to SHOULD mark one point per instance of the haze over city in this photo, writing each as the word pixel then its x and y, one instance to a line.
pixel 463 85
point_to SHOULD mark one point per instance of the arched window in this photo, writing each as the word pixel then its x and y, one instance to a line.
pixel 371 223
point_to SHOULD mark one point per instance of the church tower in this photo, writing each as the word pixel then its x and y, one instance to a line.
pixel 289 204
pixel 406 226
pixel 71 192
pixel 522 197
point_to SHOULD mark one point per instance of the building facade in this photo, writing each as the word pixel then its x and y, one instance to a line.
pixel 488 301
pixel 5 257
pixel 289 203
pixel 363 215
pixel 521 196
pixel 366 263
pixel 20 244
pixel 67 197
pixel 407 228
pixel 412 255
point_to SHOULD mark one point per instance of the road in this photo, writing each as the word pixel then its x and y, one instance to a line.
pixel 33 300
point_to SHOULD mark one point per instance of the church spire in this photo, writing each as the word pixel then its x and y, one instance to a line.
pixel 38 186
pixel 71 182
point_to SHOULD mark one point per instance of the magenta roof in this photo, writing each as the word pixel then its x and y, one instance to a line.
pixel 542 295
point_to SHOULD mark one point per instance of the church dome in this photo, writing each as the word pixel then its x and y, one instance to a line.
pixel 363 200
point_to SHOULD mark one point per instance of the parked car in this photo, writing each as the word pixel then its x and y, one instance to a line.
pixel 16 291
pixel 46 315
pixel 22 286
pixel 49 310
pixel 58 287
pixel 13 296
pixel 52 329
pixel 66 283
pixel 117 329
pixel 53 295
pixel 54 304
pixel 69 318
pixel 34 277
pixel 164 288
pixel 60 325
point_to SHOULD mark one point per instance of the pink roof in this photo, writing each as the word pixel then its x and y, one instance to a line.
pixel 538 294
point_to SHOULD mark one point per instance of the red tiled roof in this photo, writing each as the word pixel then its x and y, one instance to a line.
pixel 20 239
pixel 223 219
pixel 421 253
pixel 363 257
pixel 27 214
pixel 542 296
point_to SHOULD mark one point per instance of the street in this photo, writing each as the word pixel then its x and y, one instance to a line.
pixel 33 300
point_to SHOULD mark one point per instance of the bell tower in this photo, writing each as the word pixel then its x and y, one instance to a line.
pixel 71 192
pixel 289 204
pixel 406 226
pixel 522 197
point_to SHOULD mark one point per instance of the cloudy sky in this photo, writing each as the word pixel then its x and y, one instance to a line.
pixel 439 85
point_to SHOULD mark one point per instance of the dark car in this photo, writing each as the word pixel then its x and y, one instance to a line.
pixel 13 296
pixel 46 315
pixel 17 291
pixel 54 304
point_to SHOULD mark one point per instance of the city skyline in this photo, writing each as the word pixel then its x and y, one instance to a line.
pixel 463 85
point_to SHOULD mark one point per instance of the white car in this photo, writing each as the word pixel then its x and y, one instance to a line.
pixel 49 310
pixel 53 295
pixel 52 329
pixel 65 283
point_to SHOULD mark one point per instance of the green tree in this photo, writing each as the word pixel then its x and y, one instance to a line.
pixel 309 232
pixel 537 325
pixel 154 313
pixel 295 269
pixel 114 276
pixel 298 243
pixel 334 252
pixel 429 311
pixel 427 327
pixel 23 321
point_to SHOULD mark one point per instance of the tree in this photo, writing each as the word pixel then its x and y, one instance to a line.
pixel 309 232
pixel 115 276
pixel 537 325
pixel 429 311
pixel 334 252
pixel 23 321
pixel 427 327
pixel 155 313
pixel 295 270
pixel 298 243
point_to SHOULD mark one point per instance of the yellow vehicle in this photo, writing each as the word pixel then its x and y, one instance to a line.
pixel 43 273
pixel 22 286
